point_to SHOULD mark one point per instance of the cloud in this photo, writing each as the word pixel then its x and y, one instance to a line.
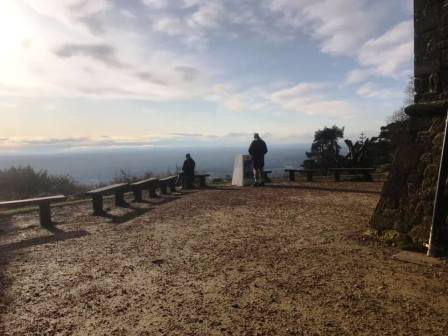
pixel 194 24
pixel 68 11
pixel 101 52
pixel 161 51
pixel 54 65
pixel 353 28
pixel 8 106
pixel 42 144
pixel 208 14
pixel 359 75
pixel 189 74
pixel 150 77
pixel 391 53
pixel 188 135
pixel 234 99
pixel 340 26
pixel 312 99
pixel 373 90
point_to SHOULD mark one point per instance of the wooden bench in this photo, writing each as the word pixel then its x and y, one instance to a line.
pixel 168 182
pixel 367 172
pixel 116 189
pixel 149 184
pixel 202 179
pixel 292 174
pixel 44 204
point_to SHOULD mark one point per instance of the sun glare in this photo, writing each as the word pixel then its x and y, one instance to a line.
pixel 13 28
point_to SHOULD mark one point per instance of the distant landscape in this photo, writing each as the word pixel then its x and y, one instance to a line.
pixel 100 167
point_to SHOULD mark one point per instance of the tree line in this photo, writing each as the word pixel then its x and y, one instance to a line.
pixel 325 152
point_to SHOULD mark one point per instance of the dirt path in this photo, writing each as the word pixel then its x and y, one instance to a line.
pixel 258 261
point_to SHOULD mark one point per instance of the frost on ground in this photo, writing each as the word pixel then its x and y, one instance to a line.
pixel 282 260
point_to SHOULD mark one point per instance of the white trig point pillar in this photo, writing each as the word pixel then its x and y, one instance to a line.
pixel 242 171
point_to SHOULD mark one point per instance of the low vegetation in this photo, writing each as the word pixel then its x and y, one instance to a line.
pixel 26 182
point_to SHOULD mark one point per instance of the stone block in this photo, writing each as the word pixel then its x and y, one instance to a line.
pixel 431 171
pixel 415 179
pixel 427 195
pixel 421 87
pixel 443 81
pixel 444 58
pixel 416 124
pixel 419 210
pixel 407 157
pixel 437 126
pixel 412 189
pixel 427 14
pixel 437 141
pixel 242 171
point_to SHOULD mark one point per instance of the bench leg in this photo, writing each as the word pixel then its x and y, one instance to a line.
pixel 309 176
pixel 368 176
pixel 119 199
pixel 45 214
pixel 337 176
pixel 152 192
pixel 266 178
pixel 163 189
pixel 173 186
pixel 292 176
pixel 202 182
pixel 138 195
pixel 97 201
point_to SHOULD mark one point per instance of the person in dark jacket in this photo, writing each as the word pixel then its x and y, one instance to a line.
pixel 257 151
pixel 188 172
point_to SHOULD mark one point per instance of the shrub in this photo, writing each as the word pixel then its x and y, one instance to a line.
pixel 25 182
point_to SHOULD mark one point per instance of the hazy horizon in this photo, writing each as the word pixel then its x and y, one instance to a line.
pixel 98 167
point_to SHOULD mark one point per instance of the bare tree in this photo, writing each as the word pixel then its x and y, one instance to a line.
pixel 400 115
pixel 409 92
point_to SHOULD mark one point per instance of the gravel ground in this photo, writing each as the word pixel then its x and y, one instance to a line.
pixel 288 259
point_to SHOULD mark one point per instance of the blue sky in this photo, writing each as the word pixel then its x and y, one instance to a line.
pixel 80 74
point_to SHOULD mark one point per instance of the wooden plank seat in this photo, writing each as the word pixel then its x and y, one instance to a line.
pixel 116 189
pixel 292 174
pixel 168 183
pixel 202 179
pixel 44 204
pixel 149 184
pixel 367 172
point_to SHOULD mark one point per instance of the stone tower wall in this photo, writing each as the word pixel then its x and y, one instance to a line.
pixel 406 203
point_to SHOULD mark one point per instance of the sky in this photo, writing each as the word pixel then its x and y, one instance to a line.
pixel 96 74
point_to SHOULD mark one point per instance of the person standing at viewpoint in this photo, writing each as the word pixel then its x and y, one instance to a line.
pixel 188 172
pixel 257 151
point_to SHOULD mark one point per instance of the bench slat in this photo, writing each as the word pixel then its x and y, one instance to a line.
pixel 300 170
pixel 32 201
pixel 351 169
pixel 144 182
pixel 167 179
pixel 108 189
